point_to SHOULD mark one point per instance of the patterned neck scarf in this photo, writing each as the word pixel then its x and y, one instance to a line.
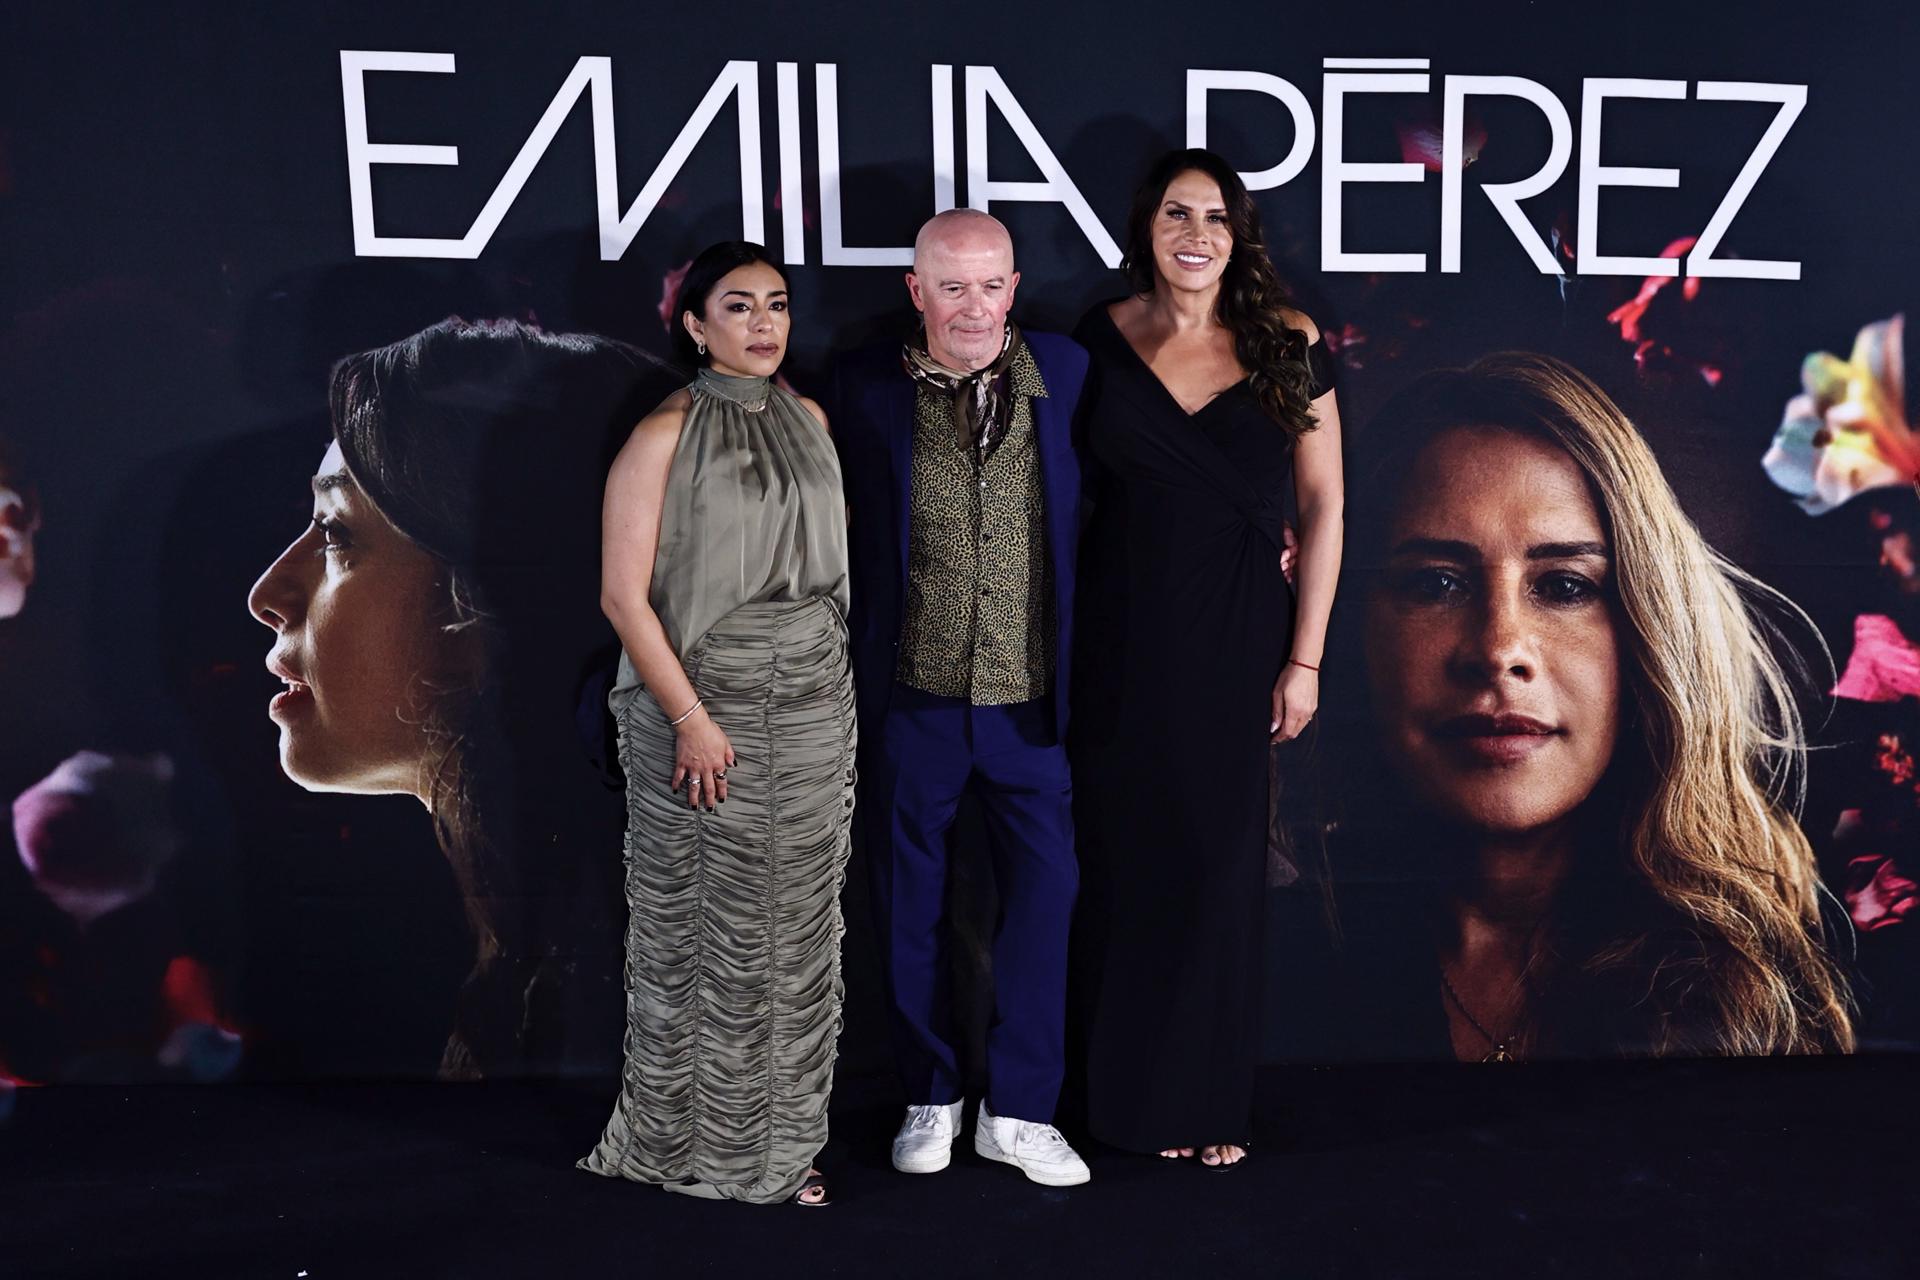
pixel 981 403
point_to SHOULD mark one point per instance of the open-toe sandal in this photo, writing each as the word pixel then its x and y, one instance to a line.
pixel 813 1180
pixel 1222 1166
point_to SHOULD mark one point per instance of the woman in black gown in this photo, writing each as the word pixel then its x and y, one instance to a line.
pixel 1209 398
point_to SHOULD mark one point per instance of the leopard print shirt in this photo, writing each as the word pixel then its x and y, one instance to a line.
pixel 979 618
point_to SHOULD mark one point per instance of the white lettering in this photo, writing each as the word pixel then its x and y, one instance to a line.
pixel 943 166
pixel 1593 176
pixel 1335 171
pixel 595 73
pixel 592 77
pixel 793 220
pixel 1506 196
pixel 615 235
pixel 1793 100
pixel 982 191
pixel 1200 83
pixel 834 251
pixel 363 155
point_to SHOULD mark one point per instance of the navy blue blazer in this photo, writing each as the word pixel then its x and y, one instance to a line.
pixel 870 406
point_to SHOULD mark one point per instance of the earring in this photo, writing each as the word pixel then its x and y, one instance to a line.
pixel 700 345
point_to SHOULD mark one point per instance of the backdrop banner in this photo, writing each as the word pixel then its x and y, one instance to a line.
pixel 227 856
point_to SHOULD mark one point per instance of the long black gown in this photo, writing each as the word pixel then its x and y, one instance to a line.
pixel 1186 621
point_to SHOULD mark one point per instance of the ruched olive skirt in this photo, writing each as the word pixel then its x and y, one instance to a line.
pixel 733 942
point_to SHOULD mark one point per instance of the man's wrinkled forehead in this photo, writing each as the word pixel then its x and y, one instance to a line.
pixel 963 243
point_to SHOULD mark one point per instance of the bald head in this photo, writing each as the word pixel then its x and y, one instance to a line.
pixel 961 230
pixel 962 282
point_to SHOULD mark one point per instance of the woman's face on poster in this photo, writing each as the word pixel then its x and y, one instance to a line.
pixel 352 604
pixel 1492 650
pixel 18 522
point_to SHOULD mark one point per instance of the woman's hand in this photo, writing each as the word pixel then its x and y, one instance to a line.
pixel 701 757
pixel 1296 696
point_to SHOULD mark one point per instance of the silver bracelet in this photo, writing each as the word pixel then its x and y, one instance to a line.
pixel 673 723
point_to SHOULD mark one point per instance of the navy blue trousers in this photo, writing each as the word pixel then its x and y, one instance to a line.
pixel 930 750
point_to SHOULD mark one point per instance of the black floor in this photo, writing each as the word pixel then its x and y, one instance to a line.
pixel 1769 1168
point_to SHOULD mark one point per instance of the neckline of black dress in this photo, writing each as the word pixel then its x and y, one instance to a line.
pixel 1106 313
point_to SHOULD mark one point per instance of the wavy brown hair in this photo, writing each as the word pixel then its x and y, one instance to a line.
pixel 1692 923
pixel 1252 302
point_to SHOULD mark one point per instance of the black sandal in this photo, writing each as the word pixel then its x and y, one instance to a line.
pixel 1222 1166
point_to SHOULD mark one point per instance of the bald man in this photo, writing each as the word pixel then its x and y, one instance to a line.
pixel 964 490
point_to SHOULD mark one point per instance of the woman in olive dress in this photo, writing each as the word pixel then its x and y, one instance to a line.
pixel 725 556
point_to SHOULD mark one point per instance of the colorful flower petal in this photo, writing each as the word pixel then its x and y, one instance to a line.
pixel 1864 440
pixel 1884 665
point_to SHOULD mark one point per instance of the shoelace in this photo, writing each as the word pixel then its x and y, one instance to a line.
pixel 924 1118
pixel 1038 1135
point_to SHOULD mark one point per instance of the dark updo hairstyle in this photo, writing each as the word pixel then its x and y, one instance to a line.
pixel 704 273
pixel 1251 297
pixel 487 444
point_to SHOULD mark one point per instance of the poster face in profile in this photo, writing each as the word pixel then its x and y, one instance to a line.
pixel 303 661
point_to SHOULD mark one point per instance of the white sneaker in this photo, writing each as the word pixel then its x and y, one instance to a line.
pixel 1037 1149
pixel 925 1141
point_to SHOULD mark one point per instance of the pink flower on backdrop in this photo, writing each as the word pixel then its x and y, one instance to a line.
pixel 1848 430
pixel 1884 665
pixel 1423 143
pixel 670 289
pixel 1632 318
pixel 1341 343
pixel 200 1042
pixel 1878 893
pixel 94 833
pixel 1895 761
pixel 1900 556
pixel 1631 314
